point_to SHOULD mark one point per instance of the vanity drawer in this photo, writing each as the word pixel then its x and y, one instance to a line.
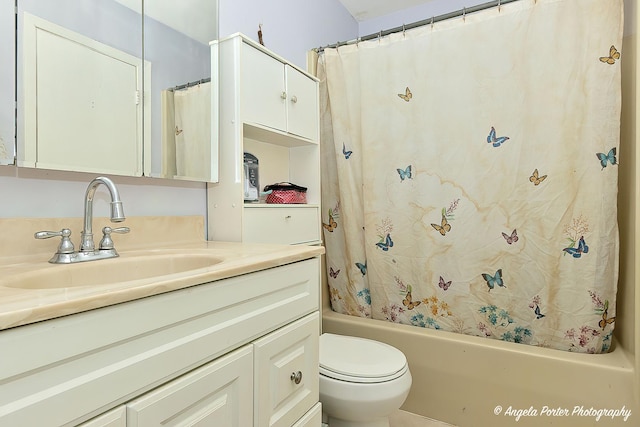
pixel 287 377
pixel 281 224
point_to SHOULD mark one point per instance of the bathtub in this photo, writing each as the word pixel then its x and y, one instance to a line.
pixel 475 382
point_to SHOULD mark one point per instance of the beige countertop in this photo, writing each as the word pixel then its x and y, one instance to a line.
pixel 21 306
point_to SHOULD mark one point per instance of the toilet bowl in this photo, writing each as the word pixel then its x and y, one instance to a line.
pixel 361 381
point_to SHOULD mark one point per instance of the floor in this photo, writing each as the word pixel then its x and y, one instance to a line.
pixel 407 419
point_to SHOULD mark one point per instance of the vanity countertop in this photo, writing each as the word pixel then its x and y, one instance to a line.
pixel 23 306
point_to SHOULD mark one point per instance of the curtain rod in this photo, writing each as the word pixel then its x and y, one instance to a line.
pixel 429 21
pixel 188 85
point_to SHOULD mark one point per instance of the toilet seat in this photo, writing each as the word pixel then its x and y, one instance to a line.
pixel 359 360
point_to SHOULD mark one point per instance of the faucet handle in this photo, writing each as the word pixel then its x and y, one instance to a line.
pixel 65 246
pixel 107 243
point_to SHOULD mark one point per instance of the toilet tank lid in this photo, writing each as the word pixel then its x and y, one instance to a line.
pixel 359 357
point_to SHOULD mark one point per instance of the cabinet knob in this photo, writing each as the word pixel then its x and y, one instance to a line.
pixel 296 377
pixel 283 95
pixel 294 99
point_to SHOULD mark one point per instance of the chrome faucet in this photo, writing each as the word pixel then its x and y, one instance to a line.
pixel 117 213
pixel 66 253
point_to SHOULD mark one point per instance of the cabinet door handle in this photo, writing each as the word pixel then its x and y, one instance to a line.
pixel 283 95
pixel 296 377
pixel 294 99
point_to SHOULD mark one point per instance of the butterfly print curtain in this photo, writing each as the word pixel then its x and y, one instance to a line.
pixel 470 174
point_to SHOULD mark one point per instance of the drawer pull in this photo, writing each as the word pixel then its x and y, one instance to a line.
pixel 296 377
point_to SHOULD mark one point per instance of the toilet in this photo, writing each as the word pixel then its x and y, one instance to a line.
pixel 361 381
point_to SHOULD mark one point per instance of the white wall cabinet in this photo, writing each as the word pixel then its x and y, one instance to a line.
pixel 269 108
pixel 277 95
pixel 225 353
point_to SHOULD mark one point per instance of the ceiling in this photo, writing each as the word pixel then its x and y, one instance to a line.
pixel 362 10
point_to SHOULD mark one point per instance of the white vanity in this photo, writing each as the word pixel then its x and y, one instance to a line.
pixel 230 344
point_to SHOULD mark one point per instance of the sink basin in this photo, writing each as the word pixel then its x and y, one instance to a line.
pixel 109 271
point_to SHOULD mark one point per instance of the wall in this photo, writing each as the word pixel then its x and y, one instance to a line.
pixel 414 14
pixel 290 27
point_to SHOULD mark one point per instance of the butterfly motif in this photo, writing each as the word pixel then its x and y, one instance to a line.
pixel 444 285
pixel 613 56
pixel 404 173
pixel 362 267
pixel 333 273
pixel 335 294
pixel 178 131
pixel 581 249
pixel 535 178
pixel 609 157
pixel 407 94
pixel 408 301
pixel 494 280
pixel 385 243
pixel 332 224
pixel 495 141
pixel 537 312
pixel 511 239
pixel 444 226
pixel 346 153
pixel 606 320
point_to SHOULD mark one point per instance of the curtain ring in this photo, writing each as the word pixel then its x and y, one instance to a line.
pixel 379 35
pixel 403 33
pixel 499 4
pixel 432 18
pixel 464 14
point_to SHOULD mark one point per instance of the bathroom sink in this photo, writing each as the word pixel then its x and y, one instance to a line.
pixel 109 271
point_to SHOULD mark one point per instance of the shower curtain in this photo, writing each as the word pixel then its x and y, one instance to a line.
pixel 470 174
pixel 186 133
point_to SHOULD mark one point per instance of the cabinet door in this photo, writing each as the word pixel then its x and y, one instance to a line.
pixel 217 394
pixel 302 104
pixel 116 417
pixel 263 91
pixel 313 418
pixel 286 373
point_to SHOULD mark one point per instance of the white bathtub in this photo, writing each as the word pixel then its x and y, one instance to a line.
pixel 462 379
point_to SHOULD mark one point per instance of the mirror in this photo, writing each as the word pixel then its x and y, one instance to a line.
pixel 7 81
pixel 80 77
pixel 176 44
pixel 107 104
